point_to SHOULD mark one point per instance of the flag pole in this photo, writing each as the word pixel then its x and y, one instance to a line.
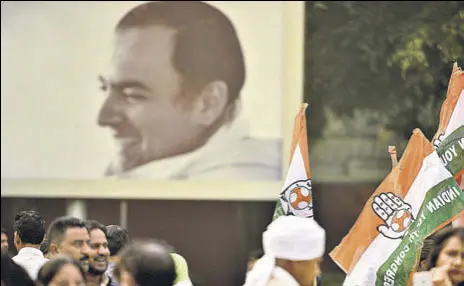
pixel 393 156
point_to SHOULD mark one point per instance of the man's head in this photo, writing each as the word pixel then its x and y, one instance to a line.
pixel 29 229
pixel 177 71
pixel 68 235
pixel 99 253
pixel 147 263
pixel 4 240
pixel 295 244
pixel 117 237
pixel 298 245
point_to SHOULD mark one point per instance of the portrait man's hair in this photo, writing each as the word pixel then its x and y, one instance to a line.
pixel 207 47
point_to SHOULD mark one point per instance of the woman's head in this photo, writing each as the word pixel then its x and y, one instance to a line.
pixel 448 248
pixel 62 270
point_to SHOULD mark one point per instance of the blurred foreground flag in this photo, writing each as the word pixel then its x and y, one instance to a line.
pixel 296 196
pixel 449 138
pixel 452 109
pixel 417 198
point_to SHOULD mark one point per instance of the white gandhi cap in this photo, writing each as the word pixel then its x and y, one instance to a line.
pixel 294 238
pixel 288 237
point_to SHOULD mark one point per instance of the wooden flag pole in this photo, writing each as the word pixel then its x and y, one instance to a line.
pixel 394 158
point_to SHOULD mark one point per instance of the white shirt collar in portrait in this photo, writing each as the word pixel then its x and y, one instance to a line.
pixel 230 146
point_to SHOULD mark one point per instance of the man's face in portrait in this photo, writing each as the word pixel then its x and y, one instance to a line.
pixel 145 105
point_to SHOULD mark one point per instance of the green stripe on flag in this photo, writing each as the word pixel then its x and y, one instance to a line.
pixel 441 203
pixel 278 210
pixel 451 151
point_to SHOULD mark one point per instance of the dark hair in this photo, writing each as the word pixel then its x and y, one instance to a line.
pixel 149 262
pixel 4 231
pixel 30 227
pixel 117 237
pixel 207 47
pixel 91 224
pixel 49 270
pixel 13 274
pixel 440 239
pixel 425 251
pixel 58 227
pixel 45 246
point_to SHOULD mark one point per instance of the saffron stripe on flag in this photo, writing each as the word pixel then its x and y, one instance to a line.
pixel 447 111
pixel 398 182
pixel 390 253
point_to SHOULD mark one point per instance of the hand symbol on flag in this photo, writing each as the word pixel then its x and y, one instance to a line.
pixel 396 214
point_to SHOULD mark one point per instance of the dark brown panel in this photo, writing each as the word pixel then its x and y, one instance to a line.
pixel 214 237
pixel 104 211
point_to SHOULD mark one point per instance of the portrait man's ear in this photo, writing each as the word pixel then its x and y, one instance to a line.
pixel 210 103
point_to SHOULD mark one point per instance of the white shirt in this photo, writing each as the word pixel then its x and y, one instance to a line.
pixel 31 259
pixel 229 155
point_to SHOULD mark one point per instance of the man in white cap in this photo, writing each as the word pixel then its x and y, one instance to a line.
pixel 293 247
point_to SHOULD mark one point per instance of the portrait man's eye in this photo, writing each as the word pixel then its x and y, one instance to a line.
pixel 133 95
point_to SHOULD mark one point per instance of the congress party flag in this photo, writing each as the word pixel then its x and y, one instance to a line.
pixel 451 120
pixel 451 152
pixel 452 109
pixel 296 195
pixel 418 197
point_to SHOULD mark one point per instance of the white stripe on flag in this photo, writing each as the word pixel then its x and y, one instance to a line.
pixel 297 169
pixel 457 118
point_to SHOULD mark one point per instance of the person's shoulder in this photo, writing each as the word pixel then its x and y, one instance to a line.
pixel 258 147
pixel 181 269
pixel 247 159
pixel 178 258
pixel 246 150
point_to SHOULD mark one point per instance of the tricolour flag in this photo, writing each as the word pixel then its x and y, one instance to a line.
pixel 417 198
pixel 296 196
pixel 451 152
pixel 452 109
pixel 449 139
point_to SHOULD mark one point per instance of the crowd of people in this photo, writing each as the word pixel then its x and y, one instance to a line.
pixel 77 252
